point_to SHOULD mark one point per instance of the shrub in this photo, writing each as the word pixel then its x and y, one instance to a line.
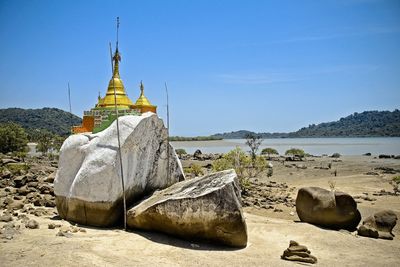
pixel 196 169
pixel 20 154
pixel 269 151
pixel 295 152
pixel 243 165
pixel 180 151
pixel 234 159
pixel 332 185
pixel 12 138
pixel 396 179
pixel 18 168
pixel 45 141
pixel 336 155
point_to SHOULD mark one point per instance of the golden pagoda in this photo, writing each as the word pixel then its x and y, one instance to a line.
pixel 142 103
pixel 115 103
pixel 120 99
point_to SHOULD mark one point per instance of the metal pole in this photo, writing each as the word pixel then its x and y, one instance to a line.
pixel 70 108
pixel 118 137
pixel 166 90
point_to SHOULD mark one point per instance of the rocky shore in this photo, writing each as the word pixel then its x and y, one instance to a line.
pixel 28 216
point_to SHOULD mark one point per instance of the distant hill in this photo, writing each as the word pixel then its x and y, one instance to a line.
pixel 52 119
pixel 242 134
pixel 365 124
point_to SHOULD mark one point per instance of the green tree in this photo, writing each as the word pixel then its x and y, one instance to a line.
pixel 12 138
pixel 45 141
pixel 254 142
pixel 57 142
pixel 269 151
pixel 180 151
pixel 295 152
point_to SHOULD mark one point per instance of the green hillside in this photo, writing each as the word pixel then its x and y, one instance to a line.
pixel 365 124
pixel 54 120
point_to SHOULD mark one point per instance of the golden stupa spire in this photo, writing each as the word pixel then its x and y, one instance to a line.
pixel 122 98
pixel 116 60
pixel 143 103
pixel 141 89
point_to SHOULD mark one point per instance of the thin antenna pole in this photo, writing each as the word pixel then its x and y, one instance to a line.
pixel 119 145
pixel 112 62
pixel 117 31
pixel 69 99
pixel 70 108
pixel 166 90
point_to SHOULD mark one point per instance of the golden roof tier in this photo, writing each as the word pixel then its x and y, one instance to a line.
pixel 142 103
pixel 122 98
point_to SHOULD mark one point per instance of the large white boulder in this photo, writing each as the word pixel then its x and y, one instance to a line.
pixel 88 184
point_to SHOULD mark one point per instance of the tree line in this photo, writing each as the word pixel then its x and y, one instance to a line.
pixel 365 124
pixel 55 121
pixel 14 139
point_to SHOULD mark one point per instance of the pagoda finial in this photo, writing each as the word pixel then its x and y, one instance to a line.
pixel 117 33
pixel 141 88
pixel 117 56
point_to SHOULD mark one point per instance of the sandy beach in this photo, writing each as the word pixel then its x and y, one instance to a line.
pixel 269 229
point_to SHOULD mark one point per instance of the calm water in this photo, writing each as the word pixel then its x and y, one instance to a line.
pixel 314 146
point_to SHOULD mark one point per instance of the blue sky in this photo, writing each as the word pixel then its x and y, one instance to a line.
pixel 265 66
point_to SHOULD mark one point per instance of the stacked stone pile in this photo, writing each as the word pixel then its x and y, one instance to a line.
pixel 297 252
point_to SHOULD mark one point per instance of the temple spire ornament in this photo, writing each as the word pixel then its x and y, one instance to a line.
pixel 142 103
pixel 103 114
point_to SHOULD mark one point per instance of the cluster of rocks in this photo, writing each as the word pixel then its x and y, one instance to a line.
pixel 294 158
pixel 66 230
pixel 297 166
pixel 26 182
pixel 338 210
pixel 198 155
pixel 387 170
pixel 297 252
pixel 384 156
pixel 14 223
pixel 383 192
pixel 88 185
pixel 267 195
pixel 379 225
pixel 364 196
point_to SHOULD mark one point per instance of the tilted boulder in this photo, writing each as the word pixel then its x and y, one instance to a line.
pixel 205 208
pixel 331 209
pixel 379 225
pixel 88 184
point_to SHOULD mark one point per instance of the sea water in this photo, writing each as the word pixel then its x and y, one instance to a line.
pixel 314 146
